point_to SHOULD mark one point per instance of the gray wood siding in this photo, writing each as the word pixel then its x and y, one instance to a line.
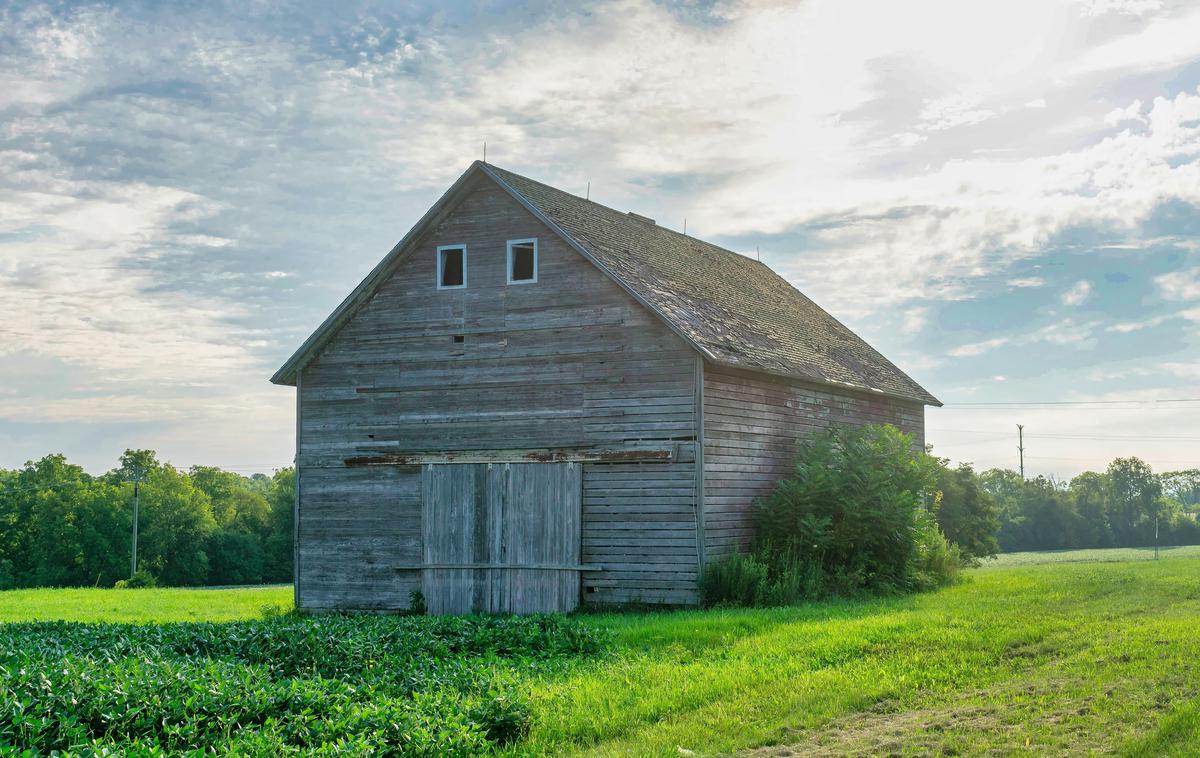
pixel 568 361
pixel 752 423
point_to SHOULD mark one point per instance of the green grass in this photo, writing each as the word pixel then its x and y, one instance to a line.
pixel 1104 555
pixel 1093 652
pixel 1065 658
pixel 147 606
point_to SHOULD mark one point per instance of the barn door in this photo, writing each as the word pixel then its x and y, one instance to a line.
pixel 501 537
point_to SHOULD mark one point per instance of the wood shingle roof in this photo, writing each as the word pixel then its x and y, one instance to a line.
pixel 735 310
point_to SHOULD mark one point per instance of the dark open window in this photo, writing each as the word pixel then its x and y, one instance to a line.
pixel 451 266
pixel 522 261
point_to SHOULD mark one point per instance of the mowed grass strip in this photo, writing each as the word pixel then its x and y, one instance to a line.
pixel 144 606
pixel 1051 659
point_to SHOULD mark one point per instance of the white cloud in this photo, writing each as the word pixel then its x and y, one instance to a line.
pixel 1077 294
pixel 978 348
pixel 962 109
pixel 1027 282
pixel 1180 285
pixel 1132 112
pixel 1065 332
pixel 1125 7
pixel 915 319
pixel 1168 40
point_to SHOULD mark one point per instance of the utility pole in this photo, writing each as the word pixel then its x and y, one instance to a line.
pixel 1021 448
pixel 137 480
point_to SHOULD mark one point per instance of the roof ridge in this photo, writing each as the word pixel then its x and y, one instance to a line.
pixel 625 215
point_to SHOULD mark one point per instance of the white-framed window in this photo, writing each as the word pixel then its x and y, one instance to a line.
pixel 451 267
pixel 522 261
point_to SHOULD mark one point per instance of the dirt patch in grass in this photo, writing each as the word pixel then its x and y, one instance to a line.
pixel 1008 720
pixel 918 732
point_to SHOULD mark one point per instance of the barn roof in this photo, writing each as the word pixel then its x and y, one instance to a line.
pixel 735 310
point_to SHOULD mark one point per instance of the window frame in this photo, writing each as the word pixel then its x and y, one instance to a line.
pixel 509 272
pixel 441 264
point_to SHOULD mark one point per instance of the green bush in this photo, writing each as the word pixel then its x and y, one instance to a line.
pixel 852 518
pixel 938 561
pixel 142 579
pixel 287 685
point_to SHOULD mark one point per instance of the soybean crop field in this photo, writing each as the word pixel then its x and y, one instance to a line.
pixel 1076 656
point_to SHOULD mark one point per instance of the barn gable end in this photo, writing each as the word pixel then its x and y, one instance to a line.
pixel 570 367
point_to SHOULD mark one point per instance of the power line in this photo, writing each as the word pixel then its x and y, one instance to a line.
pixel 1080 436
pixel 1128 406
pixel 1023 403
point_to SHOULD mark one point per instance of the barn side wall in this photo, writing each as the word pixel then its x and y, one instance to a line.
pixel 568 361
pixel 752 424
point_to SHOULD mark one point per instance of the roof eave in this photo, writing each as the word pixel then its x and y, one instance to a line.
pixel 927 399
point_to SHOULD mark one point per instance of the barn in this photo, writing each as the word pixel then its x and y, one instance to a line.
pixel 535 401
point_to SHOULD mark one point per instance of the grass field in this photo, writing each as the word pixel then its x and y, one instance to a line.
pixel 1105 555
pixel 144 606
pixel 1039 658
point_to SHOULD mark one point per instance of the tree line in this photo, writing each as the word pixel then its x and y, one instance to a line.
pixel 62 527
pixel 1122 506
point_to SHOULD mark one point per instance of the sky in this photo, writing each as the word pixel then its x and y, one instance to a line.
pixel 1000 197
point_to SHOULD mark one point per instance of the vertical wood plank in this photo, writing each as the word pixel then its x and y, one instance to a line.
pixel 296 599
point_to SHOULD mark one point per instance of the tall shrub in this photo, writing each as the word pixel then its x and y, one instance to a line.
pixel 852 509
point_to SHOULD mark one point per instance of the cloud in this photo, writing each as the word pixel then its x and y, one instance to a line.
pixel 915 319
pixel 978 348
pixel 1077 294
pixel 1180 285
pixel 184 194
pixel 1061 333
pixel 1125 327
pixel 1125 7
pixel 961 109
pixel 1132 112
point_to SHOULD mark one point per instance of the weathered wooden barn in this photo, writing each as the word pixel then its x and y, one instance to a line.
pixel 535 399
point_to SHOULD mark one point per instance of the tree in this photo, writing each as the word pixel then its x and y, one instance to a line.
pixel 133 461
pixel 1040 517
pixel 1183 486
pixel 61 526
pixel 1090 491
pixel 177 522
pixel 966 512
pixel 278 553
pixel 1133 501
pixel 237 503
pixel 234 558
